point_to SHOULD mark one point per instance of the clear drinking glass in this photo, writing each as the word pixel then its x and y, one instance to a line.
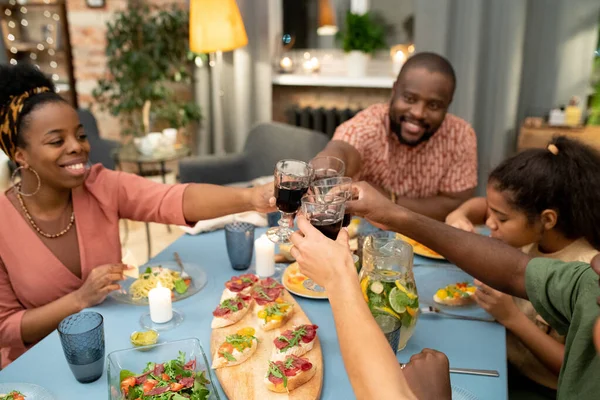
pixel 239 237
pixel 325 212
pixel 82 338
pixel 340 185
pixel 292 178
pixel 388 285
pixel 327 167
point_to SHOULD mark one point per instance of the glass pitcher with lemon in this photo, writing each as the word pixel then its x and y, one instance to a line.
pixel 388 286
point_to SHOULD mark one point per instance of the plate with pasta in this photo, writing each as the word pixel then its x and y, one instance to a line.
pixel 182 285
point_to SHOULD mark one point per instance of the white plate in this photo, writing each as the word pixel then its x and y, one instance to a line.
pixel 29 390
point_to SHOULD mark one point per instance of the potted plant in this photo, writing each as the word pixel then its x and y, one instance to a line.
pixel 361 37
pixel 148 61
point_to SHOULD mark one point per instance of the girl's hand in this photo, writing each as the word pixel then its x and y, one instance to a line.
pixel 100 282
pixel 501 306
pixel 460 221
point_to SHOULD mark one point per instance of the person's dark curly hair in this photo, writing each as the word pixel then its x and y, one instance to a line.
pixel 567 182
pixel 18 79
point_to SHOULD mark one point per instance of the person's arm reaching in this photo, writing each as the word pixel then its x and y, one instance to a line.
pixel 202 201
pixel 371 364
pixel 436 207
pixel 491 261
pixel 471 212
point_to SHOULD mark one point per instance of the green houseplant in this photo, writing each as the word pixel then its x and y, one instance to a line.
pixel 361 37
pixel 148 59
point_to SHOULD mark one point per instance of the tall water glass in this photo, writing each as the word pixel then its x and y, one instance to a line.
pixel 82 338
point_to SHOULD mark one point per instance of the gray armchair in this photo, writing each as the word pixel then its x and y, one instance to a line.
pixel 101 149
pixel 266 144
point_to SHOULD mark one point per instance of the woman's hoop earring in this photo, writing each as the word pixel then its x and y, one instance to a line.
pixel 18 185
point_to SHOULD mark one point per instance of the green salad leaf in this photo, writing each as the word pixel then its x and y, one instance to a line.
pixel 180 286
pixel 228 356
pixel 124 374
pixel 277 373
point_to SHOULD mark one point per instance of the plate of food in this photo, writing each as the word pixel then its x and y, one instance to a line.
pixel 300 284
pixel 23 391
pixel 134 290
pixel 420 249
pixel 172 368
pixel 455 294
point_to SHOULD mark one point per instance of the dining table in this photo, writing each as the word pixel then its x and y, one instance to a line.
pixel 468 344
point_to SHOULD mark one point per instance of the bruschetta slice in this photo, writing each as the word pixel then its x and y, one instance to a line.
pixel 236 348
pixel 275 314
pixel 297 341
pixel 266 291
pixel 289 374
pixel 231 311
pixel 459 294
pixel 239 285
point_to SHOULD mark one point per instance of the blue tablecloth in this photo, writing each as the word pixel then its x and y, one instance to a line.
pixel 467 344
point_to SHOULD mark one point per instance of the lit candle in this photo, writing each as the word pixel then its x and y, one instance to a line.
pixel 265 256
pixel 286 64
pixel 161 309
pixel 398 61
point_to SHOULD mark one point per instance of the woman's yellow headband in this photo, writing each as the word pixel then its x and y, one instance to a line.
pixel 9 116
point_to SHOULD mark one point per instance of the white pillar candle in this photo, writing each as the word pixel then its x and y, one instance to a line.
pixel 161 308
pixel 397 62
pixel 265 256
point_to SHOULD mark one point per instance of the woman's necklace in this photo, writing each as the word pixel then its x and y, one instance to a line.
pixel 37 228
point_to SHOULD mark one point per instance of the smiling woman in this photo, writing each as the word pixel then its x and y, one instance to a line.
pixel 60 222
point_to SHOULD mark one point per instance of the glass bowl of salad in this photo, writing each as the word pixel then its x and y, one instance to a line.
pixel 178 368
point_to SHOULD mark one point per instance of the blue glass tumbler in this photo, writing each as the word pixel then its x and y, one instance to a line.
pixel 239 237
pixel 82 338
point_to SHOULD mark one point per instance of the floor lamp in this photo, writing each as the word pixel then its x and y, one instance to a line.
pixel 216 26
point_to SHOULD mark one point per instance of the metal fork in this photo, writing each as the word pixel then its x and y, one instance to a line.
pixel 180 263
pixel 468 371
pixel 435 310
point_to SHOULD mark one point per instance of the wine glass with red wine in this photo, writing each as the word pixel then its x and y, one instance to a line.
pixel 325 212
pixel 327 167
pixel 340 186
pixel 292 178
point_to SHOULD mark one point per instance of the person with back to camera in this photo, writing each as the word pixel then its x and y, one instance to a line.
pixel 60 250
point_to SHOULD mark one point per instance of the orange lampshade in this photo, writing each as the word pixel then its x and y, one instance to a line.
pixel 216 25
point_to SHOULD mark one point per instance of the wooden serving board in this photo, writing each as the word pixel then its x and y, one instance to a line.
pixel 246 381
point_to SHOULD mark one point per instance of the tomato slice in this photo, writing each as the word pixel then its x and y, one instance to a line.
pixel 175 387
pixel 149 385
pixel 127 383
pixel 187 281
pixel 165 377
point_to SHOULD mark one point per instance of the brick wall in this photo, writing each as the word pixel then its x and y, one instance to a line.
pixel 88 42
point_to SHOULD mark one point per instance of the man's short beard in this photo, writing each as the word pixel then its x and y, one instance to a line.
pixel 396 128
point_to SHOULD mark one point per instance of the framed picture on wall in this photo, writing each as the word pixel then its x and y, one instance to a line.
pixel 95 3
